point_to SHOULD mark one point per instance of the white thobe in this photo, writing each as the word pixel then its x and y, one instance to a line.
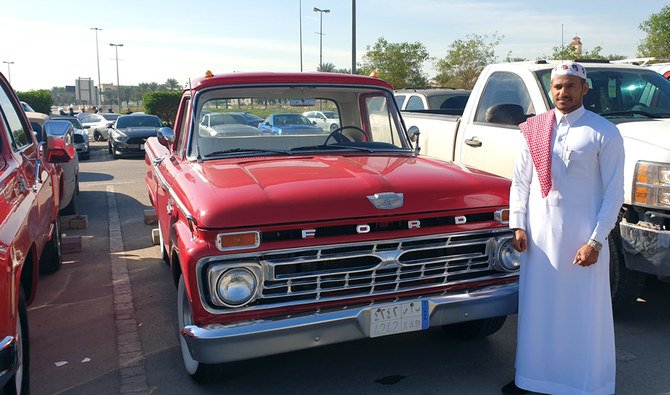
pixel 565 338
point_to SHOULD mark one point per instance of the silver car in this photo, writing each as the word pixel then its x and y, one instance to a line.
pixel 98 125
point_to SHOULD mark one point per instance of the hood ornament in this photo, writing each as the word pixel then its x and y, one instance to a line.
pixel 387 200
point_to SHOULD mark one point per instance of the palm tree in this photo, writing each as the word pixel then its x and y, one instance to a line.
pixel 171 84
pixel 326 68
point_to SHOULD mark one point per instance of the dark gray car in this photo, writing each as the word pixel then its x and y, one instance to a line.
pixel 130 132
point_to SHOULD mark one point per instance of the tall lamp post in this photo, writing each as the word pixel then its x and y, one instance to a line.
pixel 9 72
pixel 320 11
pixel 97 56
pixel 118 86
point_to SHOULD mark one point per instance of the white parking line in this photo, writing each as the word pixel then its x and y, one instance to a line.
pixel 128 342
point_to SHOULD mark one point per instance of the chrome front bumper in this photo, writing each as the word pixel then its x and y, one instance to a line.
pixel 227 343
pixel 645 249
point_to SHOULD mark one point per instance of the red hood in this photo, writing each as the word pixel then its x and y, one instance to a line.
pixel 260 191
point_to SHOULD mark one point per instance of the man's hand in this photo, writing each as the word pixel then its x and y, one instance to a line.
pixel 586 256
pixel 520 240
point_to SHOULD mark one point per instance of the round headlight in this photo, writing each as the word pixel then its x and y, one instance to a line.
pixel 237 286
pixel 509 259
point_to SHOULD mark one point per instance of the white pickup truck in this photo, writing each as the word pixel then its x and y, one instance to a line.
pixel 634 98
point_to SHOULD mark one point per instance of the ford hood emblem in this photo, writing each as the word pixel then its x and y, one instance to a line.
pixel 387 200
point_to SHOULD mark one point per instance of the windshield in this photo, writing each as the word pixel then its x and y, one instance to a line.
pixel 622 93
pixel 74 121
pixel 136 121
pixel 331 114
pixel 367 123
pixel 111 117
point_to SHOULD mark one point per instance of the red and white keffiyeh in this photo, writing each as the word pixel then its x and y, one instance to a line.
pixel 537 132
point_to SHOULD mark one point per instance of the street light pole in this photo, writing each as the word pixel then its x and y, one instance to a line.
pixel 118 86
pixel 300 6
pixel 9 72
pixel 353 36
pixel 316 9
pixel 97 56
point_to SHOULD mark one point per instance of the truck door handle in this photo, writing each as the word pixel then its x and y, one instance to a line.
pixel 473 142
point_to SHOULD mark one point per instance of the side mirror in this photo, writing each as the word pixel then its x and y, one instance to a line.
pixel 59 145
pixel 165 136
pixel 313 122
pixel 414 137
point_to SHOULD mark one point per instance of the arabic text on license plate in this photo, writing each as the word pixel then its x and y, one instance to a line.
pixel 141 146
pixel 399 318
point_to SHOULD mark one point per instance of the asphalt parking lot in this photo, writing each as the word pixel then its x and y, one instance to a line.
pixel 82 344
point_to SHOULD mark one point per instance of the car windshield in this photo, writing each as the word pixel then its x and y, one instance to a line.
pixel 330 114
pixel 74 121
pixel 367 123
pixel 621 93
pixel 135 121
pixel 449 101
pixel 111 117
pixel 223 119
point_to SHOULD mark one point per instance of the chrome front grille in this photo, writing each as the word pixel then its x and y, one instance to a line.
pixel 374 269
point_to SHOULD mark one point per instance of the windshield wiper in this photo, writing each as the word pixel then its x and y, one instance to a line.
pixel 245 151
pixel 332 147
pixel 630 112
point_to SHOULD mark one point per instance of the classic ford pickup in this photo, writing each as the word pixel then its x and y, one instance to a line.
pixel 29 233
pixel 295 240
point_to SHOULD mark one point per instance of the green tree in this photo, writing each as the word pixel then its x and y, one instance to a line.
pixel 465 59
pixel 61 97
pixel 401 64
pixel 172 85
pixel 569 52
pixel 326 68
pixel 164 104
pixel 40 100
pixel 657 27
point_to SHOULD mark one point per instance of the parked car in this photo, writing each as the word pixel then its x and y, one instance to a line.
pixel 26 107
pixel 130 132
pixel 29 227
pixel 252 119
pixel 445 101
pixel 290 123
pixel 81 138
pixel 99 124
pixel 69 181
pixel 326 120
pixel 289 241
pixel 217 124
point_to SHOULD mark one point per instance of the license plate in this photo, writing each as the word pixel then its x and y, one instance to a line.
pixel 142 146
pixel 399 317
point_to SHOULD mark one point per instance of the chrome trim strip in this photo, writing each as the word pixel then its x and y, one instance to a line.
pixel 487 236
pixel 167 187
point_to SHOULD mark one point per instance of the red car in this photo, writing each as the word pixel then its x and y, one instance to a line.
pixel 284 242
pixel 29 230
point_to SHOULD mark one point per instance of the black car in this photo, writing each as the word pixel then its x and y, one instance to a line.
pixel 130 132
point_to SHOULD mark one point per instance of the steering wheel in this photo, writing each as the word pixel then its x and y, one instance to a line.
pixel 341 138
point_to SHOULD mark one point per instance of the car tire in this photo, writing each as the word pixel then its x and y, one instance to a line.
pixel 197 370
pixel 476 329
pixel 19 383
pixel 625 284
pixel 71 208
pixel 52 256
pixel 333 127
pixel 109 148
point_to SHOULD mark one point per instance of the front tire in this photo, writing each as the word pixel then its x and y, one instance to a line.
pixel 71 208
pixel 477 329
pixel 194 368
pixel 20 381
pixel 625 284
pixel 52 256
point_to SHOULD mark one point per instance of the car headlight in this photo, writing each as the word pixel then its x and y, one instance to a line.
pixel 233 287
pixel 118 135
pixel 507 258
pixel 651 184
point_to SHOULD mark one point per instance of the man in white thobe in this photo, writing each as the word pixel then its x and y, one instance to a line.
pixel 567 190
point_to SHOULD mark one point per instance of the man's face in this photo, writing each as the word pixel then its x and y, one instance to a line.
pixel 568 92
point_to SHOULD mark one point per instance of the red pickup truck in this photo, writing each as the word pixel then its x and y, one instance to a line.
pixel 29 230
pixel 282 237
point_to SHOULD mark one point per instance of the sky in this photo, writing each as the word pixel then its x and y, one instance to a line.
pixel 52 44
